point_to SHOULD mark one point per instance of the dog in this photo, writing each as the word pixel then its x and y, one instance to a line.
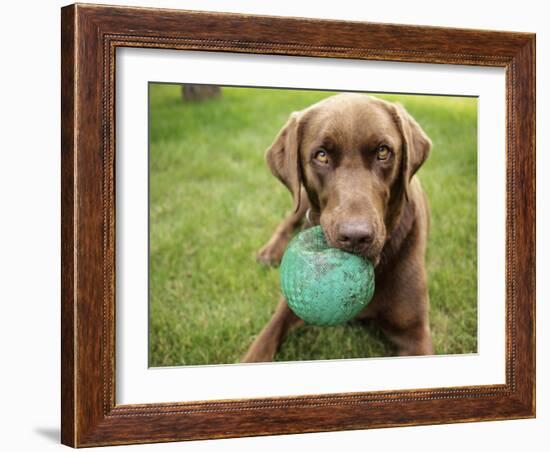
pixel 349 162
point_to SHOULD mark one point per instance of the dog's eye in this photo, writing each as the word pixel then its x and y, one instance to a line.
pixel 383 152
pixel 321 156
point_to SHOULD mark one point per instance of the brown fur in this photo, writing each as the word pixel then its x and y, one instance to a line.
pixel 366 204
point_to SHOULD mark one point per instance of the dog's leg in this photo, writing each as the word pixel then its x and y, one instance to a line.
pixel 416 339
pixel 404 310
pixel 268 341
pixel 272 252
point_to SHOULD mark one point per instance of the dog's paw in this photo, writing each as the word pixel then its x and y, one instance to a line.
pixel 258 354
pixel 270 255
pixel 250 358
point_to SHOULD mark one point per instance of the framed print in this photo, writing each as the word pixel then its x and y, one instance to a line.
pixel 282 225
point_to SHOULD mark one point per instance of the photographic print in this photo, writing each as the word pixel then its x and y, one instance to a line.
pixel 280 225
pixel 296 225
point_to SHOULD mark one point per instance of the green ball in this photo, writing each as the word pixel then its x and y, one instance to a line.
pixel 322 285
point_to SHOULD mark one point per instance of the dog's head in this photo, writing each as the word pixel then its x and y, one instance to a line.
pixel 355 156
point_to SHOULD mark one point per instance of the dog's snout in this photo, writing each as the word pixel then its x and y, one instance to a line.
pixel 353 236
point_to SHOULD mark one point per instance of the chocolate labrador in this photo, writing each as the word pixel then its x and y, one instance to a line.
pixel 349 162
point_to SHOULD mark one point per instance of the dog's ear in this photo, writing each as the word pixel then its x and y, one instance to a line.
pixel 416 145
pixel 283 157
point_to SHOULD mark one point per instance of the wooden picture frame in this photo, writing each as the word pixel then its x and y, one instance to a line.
pixel 90 36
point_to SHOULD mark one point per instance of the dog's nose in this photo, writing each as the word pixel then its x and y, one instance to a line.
pixel 355 236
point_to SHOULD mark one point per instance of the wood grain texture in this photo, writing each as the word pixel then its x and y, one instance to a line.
pixel 90 36
pixel 68 310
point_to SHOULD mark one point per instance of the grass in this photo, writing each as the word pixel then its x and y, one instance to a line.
pixel 213 203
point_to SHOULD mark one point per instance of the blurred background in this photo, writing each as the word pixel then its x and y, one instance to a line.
pixel 213 203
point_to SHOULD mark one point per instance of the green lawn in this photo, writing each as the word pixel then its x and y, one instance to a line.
pixel 213 203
